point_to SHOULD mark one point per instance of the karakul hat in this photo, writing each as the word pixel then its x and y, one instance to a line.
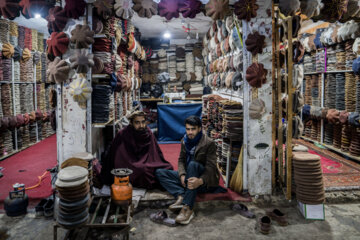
pixel 169 9
pixel 8 50
pixel 217 9
pixel 82 36
pixel 255 43
pixel 246 9
pixel 71 176
pixel 289 7
pixel 145 8
pixel 56 19
pixel 123 8
pixel 104 8
pixel 189 8
pixel 10 9
pixel 257 109
pixel 180 52
pixel 58 71
pixel 75 9
pixel 256 75
pixel 26 55
pixel 57 43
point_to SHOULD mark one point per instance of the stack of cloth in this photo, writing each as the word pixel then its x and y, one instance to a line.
pixel 340 57
pixel 232 120
pixel 340 92
pixel 73 197
pixel 40 37
pixel 163 66
pixel 308 65
pixel 350 92
pixel 315 90
pixel 38 72
pixel 330 89
pixel 7 142
pixel 17 99
pixel 25 136
pixel 308 178
pixel 337 136
pixel 331 59
pixel 32 132
pixel 44 64
pixel 189 62
pixel 225 148
pixel 27 71
pixel 6 100
pixel 350 55
pixel 180 59
pixel 4 31
pixel 14 33
pixel 100 103
pixel 196 89
pixel 199 69
pixel 102 49
pixel 28 39
pixel 346 137
pixel 308 90
pixel 34 40
pixel 21 39
pixel 172 67
pixel 7 69
pixel 328 134
pixel 355 142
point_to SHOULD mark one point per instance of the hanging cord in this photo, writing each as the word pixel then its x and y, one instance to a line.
pixel 40 180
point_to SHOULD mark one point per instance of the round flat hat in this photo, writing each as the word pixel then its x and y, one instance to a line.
pixel 75 188
pixel 315 189
pixel 304 168
pixel 307 164
pixel 310 195
pixel 71 204
pixel 65 210
pixel 73 224
pixel 303 156
pixel 64 184
pixel 74 196
pixel 73 217
pixel 300 148
pixel 72 173
pixel 75 162
pixel 83 155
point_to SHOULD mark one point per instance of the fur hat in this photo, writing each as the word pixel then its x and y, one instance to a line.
pixel 289 7
pixel 123 8
pixel 169 9
pixel 75 9
pixel 82 61
pixel 255 43
pixel 10 9
pixel 58 71
pixel 8 50
pixel 145 8
pixel 189 8
pixel 26 55
pixel 56 19
pixel 82 36
pixel 57 43
pixel 217 9
pixel 246 9
pixel 256 75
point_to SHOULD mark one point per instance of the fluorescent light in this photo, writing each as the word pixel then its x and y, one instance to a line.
pixel 167 34
pixel 37 15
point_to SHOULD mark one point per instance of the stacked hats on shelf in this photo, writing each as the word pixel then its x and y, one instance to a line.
pixel 331 59
pixel 350 91
pixel 340 91
pixel 232 120
pixel 163 66
pixel 101 100
pixel 6 100
pixel 330 90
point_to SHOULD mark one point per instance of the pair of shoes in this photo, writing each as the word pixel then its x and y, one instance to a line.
pixel 161 217
pixel 185 216
pixel 178 204
pixel 45 208
pixel 265 221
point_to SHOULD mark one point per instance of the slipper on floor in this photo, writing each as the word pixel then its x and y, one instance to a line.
pixel 242 210
pixel 161 217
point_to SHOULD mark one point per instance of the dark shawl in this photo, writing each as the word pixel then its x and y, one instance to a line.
pixel 138 151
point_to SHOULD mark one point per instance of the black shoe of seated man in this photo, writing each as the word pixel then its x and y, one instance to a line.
pixel 49 208
pixel 177 205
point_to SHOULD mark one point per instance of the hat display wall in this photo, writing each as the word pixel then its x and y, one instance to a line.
pixel 8 50
pixel 189 8
pixel 311 8
pixel 58 71
pixel 82 36
pixel 123 8
pixel 80 89
pixel 57 19
pixel 29 7
pixel 82 61
pixel 217 9
pixel 10 9
pixel 145 8
pixel 289 7
pixel 246 9
pixel 104 8
pixel 256 75
pixel 169 9
pixel 57 43
pixel 255 43
pixel 75 9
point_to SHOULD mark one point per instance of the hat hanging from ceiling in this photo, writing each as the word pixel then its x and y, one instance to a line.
pixel 145 8
pixel 17 53
pixel 344 117
pixel 56 19
pixel 10 9
pixel 26 55
pixel 256 75
pixel 257 109
pixel 80 89
pixel 246 9
pixel 82 36
pixel 82 60
pixel 75 9
pixel 217 9
pixel 26 118
pixel 8 50
pixel 58 71
pixel 334 9
pixel 104 8
pixel 123 8
pixel 311 8
pixel 289 7
pixel 255 43
pixel 189 8
pixel 169 9
pixel 32 7
pixel 57 43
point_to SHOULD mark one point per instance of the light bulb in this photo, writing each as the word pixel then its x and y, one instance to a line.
pixel 37 15
pixel 167 34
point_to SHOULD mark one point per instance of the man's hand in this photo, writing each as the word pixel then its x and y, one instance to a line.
pixel 194 182
pixel 182 178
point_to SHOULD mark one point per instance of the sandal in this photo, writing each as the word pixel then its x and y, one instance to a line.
pixel 243 210
pixel 161 217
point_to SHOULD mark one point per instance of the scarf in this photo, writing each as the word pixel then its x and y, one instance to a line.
pixel 190 146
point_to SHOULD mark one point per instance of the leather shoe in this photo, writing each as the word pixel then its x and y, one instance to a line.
pixel 178 204
pixel 278 216
pixel 265 224
pixel 185 215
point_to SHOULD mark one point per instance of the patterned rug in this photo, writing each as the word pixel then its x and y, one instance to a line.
pixel 338 172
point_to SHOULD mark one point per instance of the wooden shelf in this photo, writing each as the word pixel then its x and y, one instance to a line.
pixel 103 125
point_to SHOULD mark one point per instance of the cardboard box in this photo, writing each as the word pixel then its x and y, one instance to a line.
pixel 312 212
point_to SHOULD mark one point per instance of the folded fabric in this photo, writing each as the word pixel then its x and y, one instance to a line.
pixel 123 8
pixel 82 36
pixel 217 9
pixel 246 9
pixel 57 43
pixel 145 8
pixel 58 71
pixel 169 9
pixel 256 75
pixel 82 61
pixel 10 9
pixel 104 8
pixel 57 19
pixel 255 43
pixel 189 8
pixel 75 9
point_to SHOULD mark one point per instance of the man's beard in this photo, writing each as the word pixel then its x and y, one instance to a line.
pixel 140 129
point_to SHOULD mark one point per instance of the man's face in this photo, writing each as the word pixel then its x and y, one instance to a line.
pixel 192 131
pixel 139 123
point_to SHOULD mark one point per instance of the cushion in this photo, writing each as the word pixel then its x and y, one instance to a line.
pixel 30 7
pixel 169 9
pixel 256 75
pixel 17 53
pixel 57 43
pixel 58 71
pixel 311 8
pixel 82 36
pixel 104 8
pixel 257 109
pixel 123 8
pixel 255 43
pixel 57 19
pixel 289 7
pixel 217 9
pixel 246 9
pixel 10 9
pixel 145 8
pixel 26 55
pixel 82 61
pixel 189 8
pixel 75 9
pixel 8 50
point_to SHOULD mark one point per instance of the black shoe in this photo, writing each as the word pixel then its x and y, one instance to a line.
pixel 39 208
pixel 49 208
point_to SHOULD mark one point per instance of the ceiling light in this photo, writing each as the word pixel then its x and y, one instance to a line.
pixel 167 35
pixel 37 15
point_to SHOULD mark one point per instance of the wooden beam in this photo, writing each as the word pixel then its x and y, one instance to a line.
pixel 273 127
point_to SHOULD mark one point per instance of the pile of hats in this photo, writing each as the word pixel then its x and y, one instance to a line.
pixel 111 106
pixel 320 61
pixel 189 62
pixel 26 71
pixel 308 178
pixel 4 31
pixel 102 48
pixel 72 202
pixel 25 135
pixel 41 97
pixel 355 142
pixel 316 130
pixel 328 134
pixel 28 38
pixel 307 128
pixel 315 90
pixel 340 56
pixel 17 98
pixel 43 67
pixel 346 137
pixel 330 90
pixel 16 71
pixel 331 59
pixel 40 41
pixel 6 100
pixel 172 67
pixel 337 134
pixel 180 59
pixel 233 120
pixel 7 69
pixel 222 158
pixel 350 92
pixel 308 89
pixel 13 33
pixel 1 111
pixel 6 138
pixel 32 129
pixel 21 36
pixel 350 55
pixel 163 66
pixel 340 91
pixel 100 103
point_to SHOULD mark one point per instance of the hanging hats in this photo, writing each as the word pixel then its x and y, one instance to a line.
pixel 228 79
pixel 255 43
pixel 32 117
pixel 104 8
pixel 58 43
pixel 246 9
pixel 75 9
pixel 189 8
pixel 10 9
pixel 29 7
pixel 56 19
pixel 8 50
pixel 145 8
pixel 98 66
pixel 123 8
pixel 311 8
pixel 82 61
pixel 26 118
pixel 169 9
pixel 343 118
pixel 256 75
pixel 217 9
pixel 19 120
pixel 58 71
pixel 26 55
pixel 236 80
pixel 17 53
pixel 257 109
pixel 82 36
pixel 334 9
pixel 80 89
pixel 289 7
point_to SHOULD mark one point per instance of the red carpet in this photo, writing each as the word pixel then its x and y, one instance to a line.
pixel 26 166
pixel 171 153
pixel 338 173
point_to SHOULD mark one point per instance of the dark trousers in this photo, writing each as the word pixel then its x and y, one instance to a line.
pixel 170 180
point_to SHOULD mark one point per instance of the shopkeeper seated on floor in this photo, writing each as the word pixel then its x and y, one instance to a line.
pixel 135 147
pixel 197 171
